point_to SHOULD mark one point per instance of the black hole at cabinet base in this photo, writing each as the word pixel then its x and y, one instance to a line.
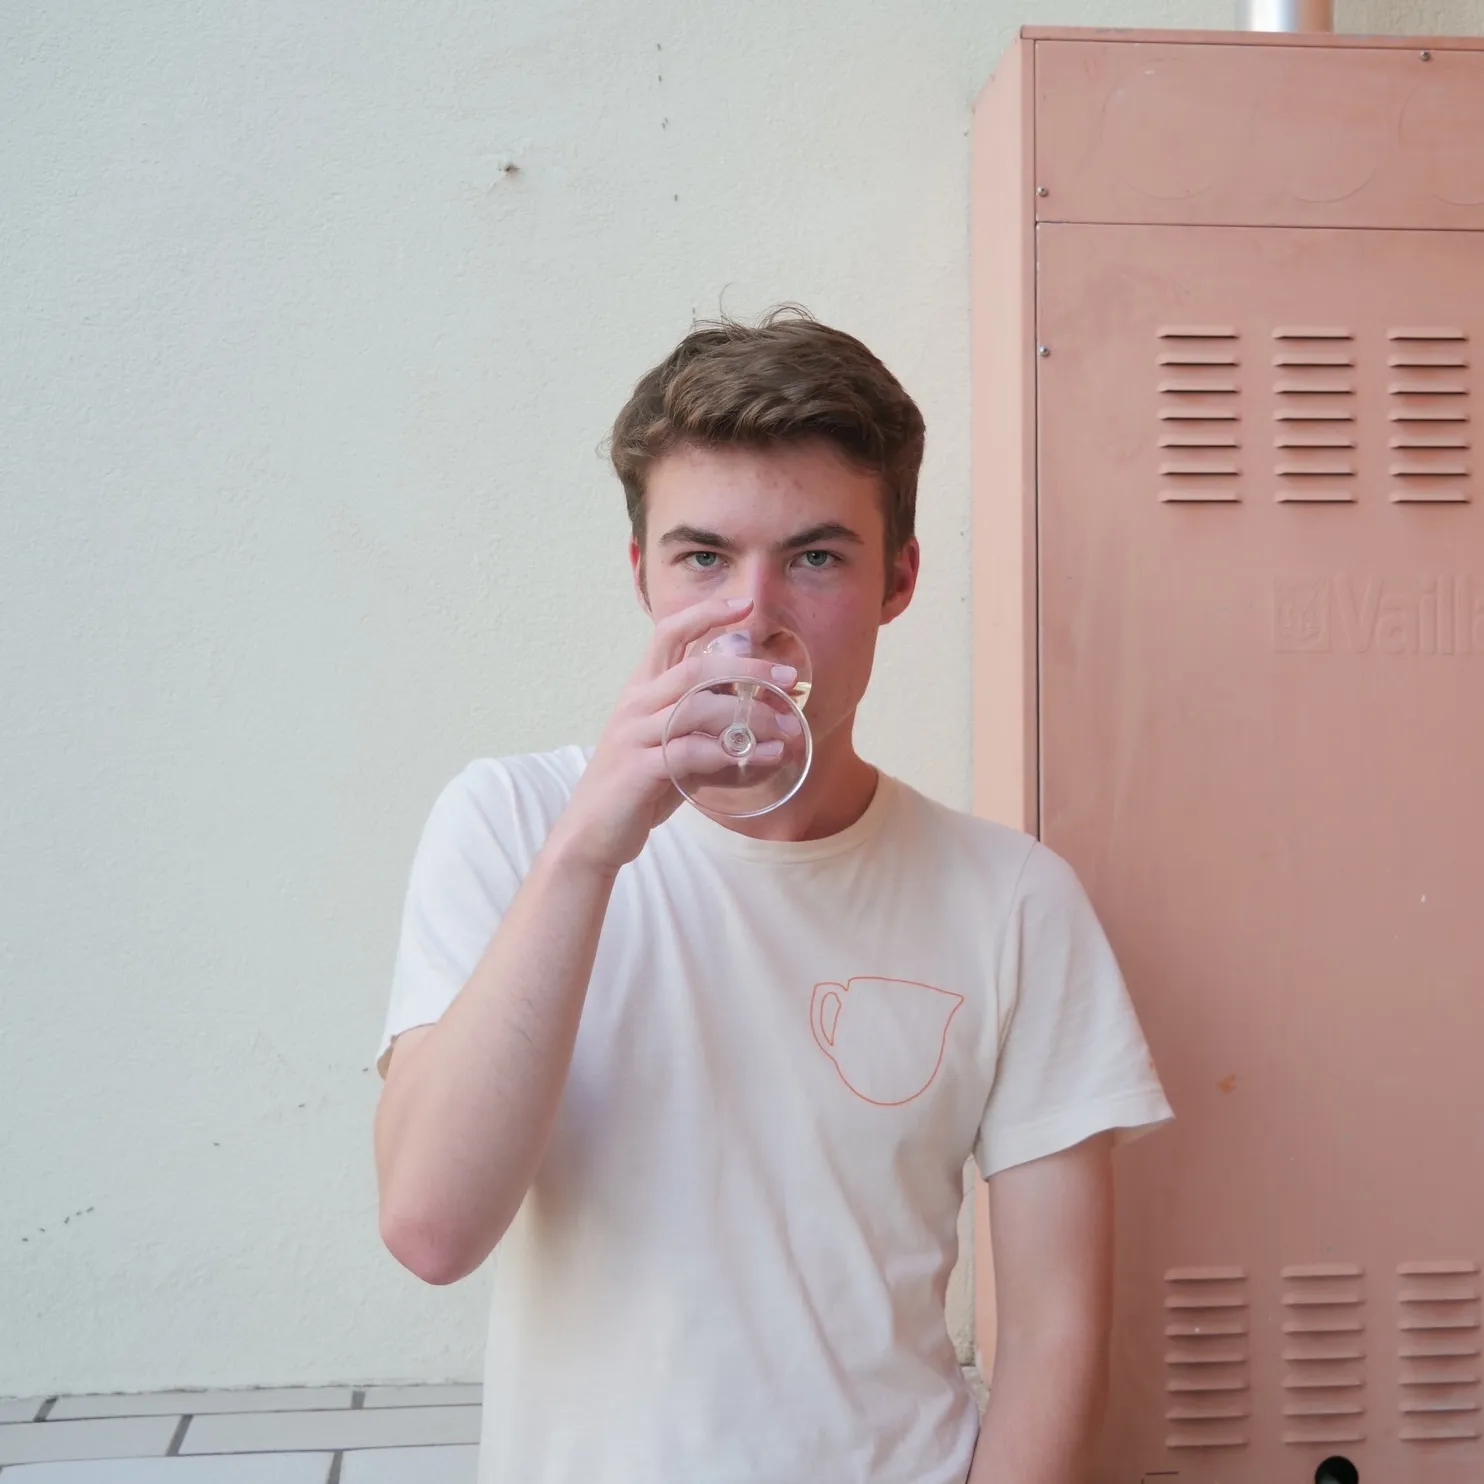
pixel 1337 1471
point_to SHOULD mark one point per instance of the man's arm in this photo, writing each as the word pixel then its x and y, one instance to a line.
pixel 470 1102
pixel 1052 1225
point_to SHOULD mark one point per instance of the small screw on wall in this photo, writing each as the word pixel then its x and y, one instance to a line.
pixel 1427 56
pixel 1042 191
pixel 1043 350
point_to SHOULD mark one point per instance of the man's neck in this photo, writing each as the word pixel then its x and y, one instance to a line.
pixel 838 790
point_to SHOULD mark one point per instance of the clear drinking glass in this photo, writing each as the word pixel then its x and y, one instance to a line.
pixel 736 745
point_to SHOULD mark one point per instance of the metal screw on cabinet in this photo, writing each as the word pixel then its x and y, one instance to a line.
pixel 1427 56
pixel 1043 350
pixel 1042 191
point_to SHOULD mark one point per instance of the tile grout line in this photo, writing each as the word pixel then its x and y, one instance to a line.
pixel 173 1451
pixel 46 1408
pixel 335 1463
pixel 357 1401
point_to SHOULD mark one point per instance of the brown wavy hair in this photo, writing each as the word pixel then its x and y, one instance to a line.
pixel 786 379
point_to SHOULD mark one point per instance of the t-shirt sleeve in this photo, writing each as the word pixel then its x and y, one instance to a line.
pixel 1072 1061
pixel 465 874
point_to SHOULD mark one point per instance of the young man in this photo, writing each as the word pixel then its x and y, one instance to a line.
pixel 706 1087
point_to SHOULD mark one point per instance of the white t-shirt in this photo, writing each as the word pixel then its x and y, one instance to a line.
pixel 732 1265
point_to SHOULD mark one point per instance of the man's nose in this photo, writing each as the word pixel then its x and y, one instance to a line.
pixel 763 584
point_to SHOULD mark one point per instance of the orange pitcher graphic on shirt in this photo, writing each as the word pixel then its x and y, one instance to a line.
pixel 886 1037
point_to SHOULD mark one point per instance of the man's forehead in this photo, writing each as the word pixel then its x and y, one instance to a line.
pixel 779 495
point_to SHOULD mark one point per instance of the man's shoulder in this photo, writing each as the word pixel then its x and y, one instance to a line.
pixel 967 838
pixel 555 772
pixel 1024 869
pixel 523 790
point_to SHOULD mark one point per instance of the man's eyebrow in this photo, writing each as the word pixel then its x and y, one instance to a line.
pixel 831 530
pixel 695 536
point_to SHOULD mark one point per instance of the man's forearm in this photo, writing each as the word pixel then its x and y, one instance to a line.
pixel 1045 1408
pixel 464 1123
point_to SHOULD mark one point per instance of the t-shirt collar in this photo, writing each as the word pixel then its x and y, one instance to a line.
pixel 714 835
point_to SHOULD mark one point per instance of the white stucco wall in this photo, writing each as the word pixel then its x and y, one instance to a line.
pixel 300 509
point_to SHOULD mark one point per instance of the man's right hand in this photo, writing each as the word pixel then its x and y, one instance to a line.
pixel 626 790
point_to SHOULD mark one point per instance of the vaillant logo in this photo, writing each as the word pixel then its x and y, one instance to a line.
pixel 1367 613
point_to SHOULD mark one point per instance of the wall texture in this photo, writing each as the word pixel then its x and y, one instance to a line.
pixel 313 318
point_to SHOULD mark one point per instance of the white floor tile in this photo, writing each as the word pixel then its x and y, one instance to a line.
pixel 282 1432
pixel 424 1396
pixel 117 1437
pixel 203 1403
pixel 411 1466
pixel 252 1468
pixel 20 1409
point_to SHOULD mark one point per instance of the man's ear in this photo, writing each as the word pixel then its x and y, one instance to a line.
pixel 901 580
pixel 636 566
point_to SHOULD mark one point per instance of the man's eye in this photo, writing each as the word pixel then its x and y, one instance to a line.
pixel 705 561
pixel 819 560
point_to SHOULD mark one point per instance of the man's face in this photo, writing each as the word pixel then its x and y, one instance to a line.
pixel 798 531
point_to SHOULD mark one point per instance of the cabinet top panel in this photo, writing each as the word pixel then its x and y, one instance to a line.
pixel 1250 38
pixel 1259 134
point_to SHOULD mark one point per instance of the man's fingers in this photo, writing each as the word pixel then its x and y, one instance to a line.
pixel 698 756
pixel 700 668
pixel 710 713
pixel 675 634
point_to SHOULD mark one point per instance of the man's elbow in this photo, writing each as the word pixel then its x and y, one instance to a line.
pixel 426 1249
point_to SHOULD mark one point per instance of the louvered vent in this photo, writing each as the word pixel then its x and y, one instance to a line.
pixel 1314 409
pixel 1428 391
pixel 1206 1381
pixel 1199 421
pixel 1323 1354
pixel 1440 1333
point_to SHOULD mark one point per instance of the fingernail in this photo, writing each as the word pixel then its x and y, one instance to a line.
pixel 738 602
pixel 788 722
pixel 769 749
pixel 785 674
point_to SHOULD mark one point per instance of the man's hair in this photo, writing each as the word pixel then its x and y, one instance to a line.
pixel 785 380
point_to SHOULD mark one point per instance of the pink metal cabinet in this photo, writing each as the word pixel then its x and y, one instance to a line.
pixel 1229 565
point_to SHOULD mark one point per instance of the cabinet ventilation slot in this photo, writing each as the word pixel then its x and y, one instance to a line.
pixel 1440 1372
pixel 1314 408
pixel 1198 386
pixel 1324 1354
pixel 1430 416
pixel 1206 1381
